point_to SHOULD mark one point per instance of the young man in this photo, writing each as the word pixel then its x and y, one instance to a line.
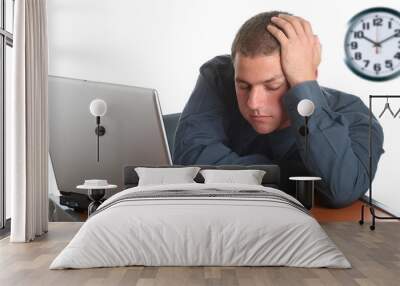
pixel 243 110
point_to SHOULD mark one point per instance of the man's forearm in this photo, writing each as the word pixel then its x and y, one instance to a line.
pixel 214 154
pixel 337 153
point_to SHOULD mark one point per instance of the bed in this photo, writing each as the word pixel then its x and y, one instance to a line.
pixel 201 224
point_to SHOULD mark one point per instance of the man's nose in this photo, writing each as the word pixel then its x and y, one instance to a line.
pixel 255 99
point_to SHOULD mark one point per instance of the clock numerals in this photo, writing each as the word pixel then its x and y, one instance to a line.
pixel 389 24
pixel 358 56
pixel 358 34
pixel 365 26
pixel 354 45
pixel 397 33
pixel 377 22
pixel 389 64
pixel 377 67
pixel 397 56
pixel 366 63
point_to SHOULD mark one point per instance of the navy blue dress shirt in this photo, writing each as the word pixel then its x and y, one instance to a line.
pixel 212 130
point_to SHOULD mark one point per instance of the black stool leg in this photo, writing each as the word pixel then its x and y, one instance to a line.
pixel 95 196
pixel 305 193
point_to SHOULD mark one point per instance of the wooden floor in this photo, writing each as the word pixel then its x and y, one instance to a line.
pixel 374 255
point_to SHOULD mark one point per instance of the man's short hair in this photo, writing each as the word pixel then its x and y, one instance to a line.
pixel 254 39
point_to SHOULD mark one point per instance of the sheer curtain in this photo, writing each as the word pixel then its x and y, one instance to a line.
pixel 27 126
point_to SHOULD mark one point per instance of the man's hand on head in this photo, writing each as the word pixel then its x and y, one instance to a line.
pixel 300 48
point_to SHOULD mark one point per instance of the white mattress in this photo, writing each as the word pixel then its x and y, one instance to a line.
pixel 183 231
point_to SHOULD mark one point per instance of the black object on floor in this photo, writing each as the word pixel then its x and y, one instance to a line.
pixel 78 202
pixel 5 231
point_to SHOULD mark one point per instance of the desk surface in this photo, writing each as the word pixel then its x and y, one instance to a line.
pixel 350 213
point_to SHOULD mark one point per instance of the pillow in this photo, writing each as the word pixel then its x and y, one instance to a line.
pixel 249 177
pixel 160 176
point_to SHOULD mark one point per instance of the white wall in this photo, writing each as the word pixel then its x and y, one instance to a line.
pixel 161 44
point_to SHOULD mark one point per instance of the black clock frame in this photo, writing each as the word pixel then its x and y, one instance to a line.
pixel 350 24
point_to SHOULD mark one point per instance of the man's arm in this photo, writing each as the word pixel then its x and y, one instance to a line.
pixel 201 136
pixel 338 144
pixel 338 147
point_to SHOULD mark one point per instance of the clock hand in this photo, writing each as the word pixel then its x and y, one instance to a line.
pixel 388 38
pixel 376 40
pixel 369 40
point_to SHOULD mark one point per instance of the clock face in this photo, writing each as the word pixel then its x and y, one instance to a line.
pixel 372 44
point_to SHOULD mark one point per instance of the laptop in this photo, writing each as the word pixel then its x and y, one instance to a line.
pixel 134 132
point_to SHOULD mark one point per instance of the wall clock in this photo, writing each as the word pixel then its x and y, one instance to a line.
pixel 372 44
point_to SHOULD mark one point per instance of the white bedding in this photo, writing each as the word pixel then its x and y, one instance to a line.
pixel 182 231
